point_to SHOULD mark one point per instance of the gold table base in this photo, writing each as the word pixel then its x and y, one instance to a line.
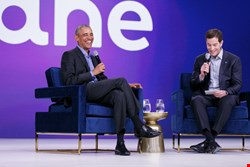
pixel 155 144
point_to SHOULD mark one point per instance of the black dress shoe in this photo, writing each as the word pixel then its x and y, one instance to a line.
pixel 201 147
pixel 121 149
pixel 147 132
pixel 213 147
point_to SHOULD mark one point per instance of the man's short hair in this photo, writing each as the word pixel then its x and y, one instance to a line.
pixel 80 27
pixel 214 33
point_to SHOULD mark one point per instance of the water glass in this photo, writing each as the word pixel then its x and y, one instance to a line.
pixel 146 105
pixel 160 107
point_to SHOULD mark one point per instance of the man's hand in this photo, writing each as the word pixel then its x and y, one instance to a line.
pixel 204 69
pixel 99 69
pixel 135 85
pixel 220 93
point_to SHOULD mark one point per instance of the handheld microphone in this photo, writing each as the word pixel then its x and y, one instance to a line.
pixel 207 57
pixel 97 57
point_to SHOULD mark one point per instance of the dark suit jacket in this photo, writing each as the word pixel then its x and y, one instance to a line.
pixel 230 76
pixel 75 69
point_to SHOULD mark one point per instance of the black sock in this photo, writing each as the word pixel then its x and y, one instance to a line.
pixel 214 133
pixel 120 136
pixel 208 135
pixel 137 122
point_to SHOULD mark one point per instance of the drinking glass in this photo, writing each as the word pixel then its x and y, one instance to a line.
pixel 160 107
pixel 146 105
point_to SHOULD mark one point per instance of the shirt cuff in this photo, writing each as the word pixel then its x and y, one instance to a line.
pixel 93 76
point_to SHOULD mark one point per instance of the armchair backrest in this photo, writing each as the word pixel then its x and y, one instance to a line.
pixel 54 79
pixel 185 86
pixel 53 76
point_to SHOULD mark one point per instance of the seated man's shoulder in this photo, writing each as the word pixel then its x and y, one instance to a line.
pixel 231 55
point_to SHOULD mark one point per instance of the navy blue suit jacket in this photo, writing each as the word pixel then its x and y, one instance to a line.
pixel 75 69
pixel 230 76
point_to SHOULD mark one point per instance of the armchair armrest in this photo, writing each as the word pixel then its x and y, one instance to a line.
pixel 178 98
pixel 62 91
pixel 245 96
pixel 77 93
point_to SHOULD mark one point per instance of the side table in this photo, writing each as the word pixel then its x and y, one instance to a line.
pixel 155 144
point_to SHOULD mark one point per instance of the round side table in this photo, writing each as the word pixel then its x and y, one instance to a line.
pixel 155 144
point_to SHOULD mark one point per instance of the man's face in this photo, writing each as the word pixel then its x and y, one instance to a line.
pixel 85 38
pixel 214 46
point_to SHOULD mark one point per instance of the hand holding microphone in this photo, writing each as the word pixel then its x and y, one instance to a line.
pixel 205 67
pixel 96 55
pixel 100 68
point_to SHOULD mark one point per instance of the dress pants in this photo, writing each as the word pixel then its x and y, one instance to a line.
pixel 115 93
pixel 224 107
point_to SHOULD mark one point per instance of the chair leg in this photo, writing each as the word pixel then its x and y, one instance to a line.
pixel 96 142
pixel 173 141
pixel 243 143
pixel 79 143
pixel 139 145
pixel 36 142
pixel 179 142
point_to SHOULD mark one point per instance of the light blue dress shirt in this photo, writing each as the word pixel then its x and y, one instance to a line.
pixel 215 71
pixel 89 61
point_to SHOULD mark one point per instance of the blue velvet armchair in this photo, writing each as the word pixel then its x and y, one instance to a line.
pixel 183 122
pixel 80 117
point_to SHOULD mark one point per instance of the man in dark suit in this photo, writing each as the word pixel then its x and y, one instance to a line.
pixel 80 67
pixel 216 81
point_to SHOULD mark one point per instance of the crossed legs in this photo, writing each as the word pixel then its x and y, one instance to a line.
pixel 117 93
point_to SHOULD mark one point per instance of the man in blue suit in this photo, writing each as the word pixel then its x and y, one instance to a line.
pixel 216 81
pixel 79 66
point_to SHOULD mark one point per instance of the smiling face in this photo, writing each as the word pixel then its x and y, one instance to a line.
pixel 84 37
pixel 214 46
pixel 214 41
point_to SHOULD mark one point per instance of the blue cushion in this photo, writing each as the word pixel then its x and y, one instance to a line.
pixel 92 109
pixel 238 112
pixel 98 110
pixel 59 108
pixel 105 125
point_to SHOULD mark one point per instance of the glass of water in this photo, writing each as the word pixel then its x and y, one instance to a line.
pixel 160 107
pixel 146 105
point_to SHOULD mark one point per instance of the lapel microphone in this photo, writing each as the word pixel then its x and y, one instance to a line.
pixel 96 55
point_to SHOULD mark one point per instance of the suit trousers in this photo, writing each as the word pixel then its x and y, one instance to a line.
pixel 115 93
pixel 224 107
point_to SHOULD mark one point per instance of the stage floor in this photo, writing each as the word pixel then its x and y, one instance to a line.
pixel 21 153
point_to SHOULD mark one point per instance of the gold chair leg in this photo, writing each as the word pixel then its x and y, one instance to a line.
pixel 173 141
pixel 179 143
pixel 79 143
pixel 36 142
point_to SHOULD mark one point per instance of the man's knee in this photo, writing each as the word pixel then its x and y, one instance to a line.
pixel 228 100
pixel 120 81
pixel 118 95
pixel 196 99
